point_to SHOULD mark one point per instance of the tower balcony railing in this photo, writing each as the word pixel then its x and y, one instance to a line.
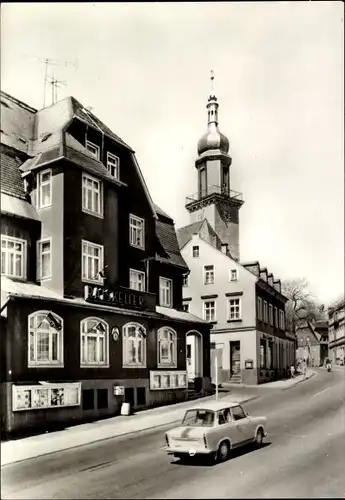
pixel 210 190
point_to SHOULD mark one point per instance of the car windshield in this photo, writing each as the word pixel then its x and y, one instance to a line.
pixel 199 418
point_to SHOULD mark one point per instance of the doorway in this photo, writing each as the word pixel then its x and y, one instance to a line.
pixel 194 355
pixel 235 358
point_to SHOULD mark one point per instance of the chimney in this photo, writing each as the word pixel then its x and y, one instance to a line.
pixel 224 247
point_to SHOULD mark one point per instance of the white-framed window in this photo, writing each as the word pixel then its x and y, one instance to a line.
pixel 210 310
pixel 113 165
pixel 13 256
pixel 265 311
pixel 276 317
pixel 208 275
pixel 134 345
pixel 233 274
pixel 44 259
pixel 92 262
pixel 185 307
pixel 92 195
pixel 44 189
pixel 195 251
pixel 281 320
pixel 94 342
pixel 93 149
pixel 234 308
pixel 270 314
pixel 45 339
pixel 165 292
pixel 167 347
pixel 185 279
pixel 137 280
pixel 136 231
pixel 259 311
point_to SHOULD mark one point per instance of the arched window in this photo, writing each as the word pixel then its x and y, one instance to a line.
pixel 167 347
pixel 45 339
pixel 134 345
pixel 94 342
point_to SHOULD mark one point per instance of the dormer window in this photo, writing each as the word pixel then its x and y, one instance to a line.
pixel 113 165
pixel 93 149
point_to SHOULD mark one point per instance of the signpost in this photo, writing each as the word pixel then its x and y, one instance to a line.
pixel 216 361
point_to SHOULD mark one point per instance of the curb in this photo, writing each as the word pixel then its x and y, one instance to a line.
pixel 299 382
pixel 107 438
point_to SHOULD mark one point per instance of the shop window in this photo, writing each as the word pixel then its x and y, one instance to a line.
pixel 167 347
pixel 141 396
pixel 102 399
pixel 45 339
pixel 88 399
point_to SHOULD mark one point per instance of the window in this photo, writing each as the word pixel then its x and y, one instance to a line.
pixel 44 189
pixel 234 309
pixel 202 183
pixel 45 339
pixel 44 259
pixel 185 307
pixel 167 347
pixel 195 251
pixel 270 310
pixel 92 262
pixel 94 343
pixel 137 280
pixel 185 279
pixel 259 311
pixel 208 275
pixel 281 320
pixel 113 165
pixel 233 275
pixel 13 257
pixel 165 292
pixel 102 399
pixel 134 345
pixel 92 196
pixel 210 310
pixel 88 399
pixel 93 149
pixel 136 231
pixel 262 353
pixel 265 312
pixel 270 355
pixel 238 413
pixel 276 317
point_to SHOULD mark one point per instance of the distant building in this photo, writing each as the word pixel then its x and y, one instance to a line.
pixel 243 302
pixel 91 275
pixel 336 325
pixel 312 342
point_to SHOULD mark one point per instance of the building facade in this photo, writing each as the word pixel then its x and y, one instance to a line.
pixel 91 275
pixel 336 331
pixel 243 302
pixel 312 343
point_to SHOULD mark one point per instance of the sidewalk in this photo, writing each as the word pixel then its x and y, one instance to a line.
pixel 71 437
pixel 79 435
pixel 278 384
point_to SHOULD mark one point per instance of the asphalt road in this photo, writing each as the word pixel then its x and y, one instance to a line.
pixel 304 457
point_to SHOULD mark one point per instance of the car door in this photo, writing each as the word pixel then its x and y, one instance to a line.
pixel 225 427
pixel 242 425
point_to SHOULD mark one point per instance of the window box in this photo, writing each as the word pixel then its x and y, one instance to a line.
pixel 165 380
pixel 13 257
pixel 113 165
pixel 137 280
pixel 134 346
pixel 94 343
pixel 92 195
pixel 167 347
pixel 165 292
pixel 44 189
pixel 35 397
pixel 136 232
pixel 92 262
pixel 44 259
pixel 45 340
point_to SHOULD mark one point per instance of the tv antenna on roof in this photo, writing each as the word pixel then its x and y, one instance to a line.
pixel 55 84
pixel 52 62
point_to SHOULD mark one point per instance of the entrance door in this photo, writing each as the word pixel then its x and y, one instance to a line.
pixel 194 355
pixel 235 358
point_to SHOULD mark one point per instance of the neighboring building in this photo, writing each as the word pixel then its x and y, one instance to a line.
pixel 244 303
pixel 336 329
pixel 91 275
pixel 312 342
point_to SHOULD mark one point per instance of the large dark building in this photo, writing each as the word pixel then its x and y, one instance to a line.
pixel 91 275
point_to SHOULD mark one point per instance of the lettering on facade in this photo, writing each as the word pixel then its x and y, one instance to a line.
pixel 118 298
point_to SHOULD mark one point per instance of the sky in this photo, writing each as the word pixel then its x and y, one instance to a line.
pixel 144 68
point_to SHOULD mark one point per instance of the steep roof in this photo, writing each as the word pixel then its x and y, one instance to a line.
pixel 184 234
pixel 168 250
pixel 11 181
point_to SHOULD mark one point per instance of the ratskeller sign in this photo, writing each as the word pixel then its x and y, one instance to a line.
pixel 118 298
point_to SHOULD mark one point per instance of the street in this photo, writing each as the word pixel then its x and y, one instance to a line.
pixel 304 456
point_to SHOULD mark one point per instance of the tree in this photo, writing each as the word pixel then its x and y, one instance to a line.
pixel 301 305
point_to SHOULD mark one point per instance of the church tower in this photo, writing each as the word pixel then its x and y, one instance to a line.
pixel 215 201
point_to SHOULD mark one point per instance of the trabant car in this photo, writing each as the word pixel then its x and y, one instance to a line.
pixel 214 429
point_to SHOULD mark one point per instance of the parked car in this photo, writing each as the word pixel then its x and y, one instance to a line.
pixel 214 429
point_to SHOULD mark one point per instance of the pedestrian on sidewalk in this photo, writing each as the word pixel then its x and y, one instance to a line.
pixel 304 368
pixel 292 371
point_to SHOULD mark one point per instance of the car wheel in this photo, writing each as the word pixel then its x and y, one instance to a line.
pixel 223 451
pixel 259 438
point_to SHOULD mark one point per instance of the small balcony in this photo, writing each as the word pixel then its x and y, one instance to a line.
pixel 219 191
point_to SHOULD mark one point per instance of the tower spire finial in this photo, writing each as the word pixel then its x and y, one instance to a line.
pixel 212 81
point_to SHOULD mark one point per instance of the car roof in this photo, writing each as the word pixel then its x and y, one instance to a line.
pixel 215 405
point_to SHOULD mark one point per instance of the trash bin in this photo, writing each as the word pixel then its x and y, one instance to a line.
pixel 126 409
